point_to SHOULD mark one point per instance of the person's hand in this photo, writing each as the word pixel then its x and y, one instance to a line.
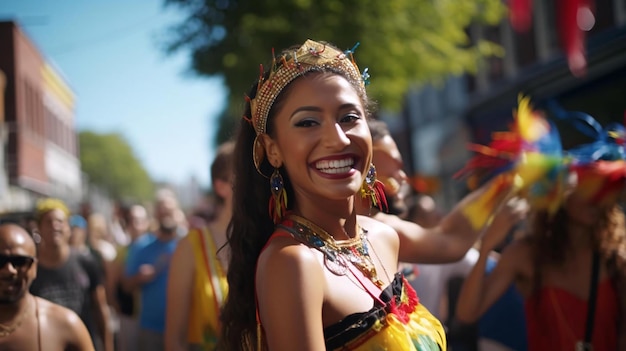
pixel 146 273
pixel 511 213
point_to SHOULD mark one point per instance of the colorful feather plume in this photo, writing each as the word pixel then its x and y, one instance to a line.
pixel 531 142
pixel 600 165
pixel 608 142
pixel 602 182
pixel 528 160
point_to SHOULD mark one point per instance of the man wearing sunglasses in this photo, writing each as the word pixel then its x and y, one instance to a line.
pixel 26 321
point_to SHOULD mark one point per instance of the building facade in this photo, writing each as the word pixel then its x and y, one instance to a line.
pixel 437 123
pixel 40 149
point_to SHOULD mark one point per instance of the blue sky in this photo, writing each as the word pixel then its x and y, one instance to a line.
pixel 110 52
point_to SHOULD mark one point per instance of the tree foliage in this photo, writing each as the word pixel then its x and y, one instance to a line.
pixel 403 42
pixel 110 162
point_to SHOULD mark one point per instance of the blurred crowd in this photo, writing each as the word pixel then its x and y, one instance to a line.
pixel 82 258
pixel 114 272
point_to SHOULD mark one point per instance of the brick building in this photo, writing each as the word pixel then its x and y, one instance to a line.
pixel 40 144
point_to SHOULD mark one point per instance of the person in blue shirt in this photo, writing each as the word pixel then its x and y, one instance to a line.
pixel 147 269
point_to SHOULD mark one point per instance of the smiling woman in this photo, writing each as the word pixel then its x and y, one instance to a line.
pixel 312 274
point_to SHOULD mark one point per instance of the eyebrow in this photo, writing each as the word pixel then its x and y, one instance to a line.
pixel 318 109
pixel 305 108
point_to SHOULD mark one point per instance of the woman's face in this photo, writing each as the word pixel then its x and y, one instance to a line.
pixel 321 137
pixel 581 211
pixel 389 167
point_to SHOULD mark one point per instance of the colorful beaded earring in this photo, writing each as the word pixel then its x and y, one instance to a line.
pixel 278 201
pixel 374 189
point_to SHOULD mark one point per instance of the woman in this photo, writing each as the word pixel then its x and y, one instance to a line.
pixel 553 267
pixel 317 275
pixel 196 291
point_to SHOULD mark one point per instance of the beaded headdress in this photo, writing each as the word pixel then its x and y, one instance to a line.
pixel 310 56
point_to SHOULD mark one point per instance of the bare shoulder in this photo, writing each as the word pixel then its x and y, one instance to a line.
pixel 58 314
pixel 380 227
pixel 286 255
pixel 63 322
pixel 288 273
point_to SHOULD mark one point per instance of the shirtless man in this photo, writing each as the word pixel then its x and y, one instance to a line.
pixel 28 322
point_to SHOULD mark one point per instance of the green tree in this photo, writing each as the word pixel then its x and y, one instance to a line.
pixel 110 162
pixel 403 42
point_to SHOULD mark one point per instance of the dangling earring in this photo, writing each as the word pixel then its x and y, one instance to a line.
pixel 278 201
pixel 374 189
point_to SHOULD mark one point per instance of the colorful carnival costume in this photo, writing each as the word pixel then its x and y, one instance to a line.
pixel 401 324
pixel 209 289
pixel 526 161
pixel 397 321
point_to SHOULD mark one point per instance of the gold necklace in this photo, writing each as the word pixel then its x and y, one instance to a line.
pixel 6 330
pixel 337 254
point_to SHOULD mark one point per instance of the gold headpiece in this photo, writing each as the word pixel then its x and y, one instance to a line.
pixel 310 56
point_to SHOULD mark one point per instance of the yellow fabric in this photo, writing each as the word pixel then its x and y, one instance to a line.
pixel 480 211
pixel 418 330
pixel 203 326
pixel 423 332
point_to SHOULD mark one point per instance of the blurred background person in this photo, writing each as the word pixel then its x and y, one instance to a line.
pixel 438 244
pixel 66 278
pixel 100 241
pixel 571 262
pixel 197 290
pixel 119 236
pixel 100 237
pixel 81 244
pixel 126 299
pixel 450 256
pixel 78 236
pixel 147 269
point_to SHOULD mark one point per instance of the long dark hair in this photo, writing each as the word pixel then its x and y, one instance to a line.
pixel 550 240
pixel 251 225
pixel 249 230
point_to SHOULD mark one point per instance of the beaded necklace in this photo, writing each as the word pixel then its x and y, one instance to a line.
pixel 338 254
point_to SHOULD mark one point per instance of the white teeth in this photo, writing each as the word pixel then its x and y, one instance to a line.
pixel 335 166
pixel 336 170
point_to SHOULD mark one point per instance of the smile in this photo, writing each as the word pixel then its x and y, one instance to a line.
pixel 335 166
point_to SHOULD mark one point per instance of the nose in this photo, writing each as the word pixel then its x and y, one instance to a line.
pixel 335 136
pixel 57 225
